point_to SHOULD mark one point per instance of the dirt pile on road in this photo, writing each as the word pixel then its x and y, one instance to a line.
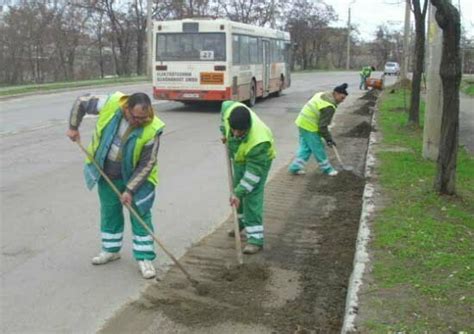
pixel 299 281
pixel 371 95
pixel 361 130
pixel 366 109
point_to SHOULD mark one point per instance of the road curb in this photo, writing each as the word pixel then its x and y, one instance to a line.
pixel 361 256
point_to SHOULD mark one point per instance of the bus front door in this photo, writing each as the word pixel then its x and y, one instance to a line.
pixel 266 67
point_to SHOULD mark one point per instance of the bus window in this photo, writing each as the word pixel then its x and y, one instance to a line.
pixel 274 46
pixel 287 50
pixel 244 50
pixel 160 46
pixel 253 47
pixel 235 50
pixel 191 46
pixel 212 48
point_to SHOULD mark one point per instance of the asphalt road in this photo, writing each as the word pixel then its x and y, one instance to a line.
pixel 49 221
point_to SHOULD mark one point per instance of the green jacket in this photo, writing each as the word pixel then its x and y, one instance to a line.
pixel 366 71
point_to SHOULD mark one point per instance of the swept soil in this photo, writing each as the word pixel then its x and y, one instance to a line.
pixel 297 284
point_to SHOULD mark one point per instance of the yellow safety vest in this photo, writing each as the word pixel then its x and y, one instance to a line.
pixel 308 118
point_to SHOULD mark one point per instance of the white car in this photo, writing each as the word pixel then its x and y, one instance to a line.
pixel 391 68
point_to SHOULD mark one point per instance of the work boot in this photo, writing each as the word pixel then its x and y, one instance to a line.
pixel 333 172
pixel 147 269
pixel 252 249
pixel 105 257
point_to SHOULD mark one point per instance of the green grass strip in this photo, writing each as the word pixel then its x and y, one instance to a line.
pixel 467 84
pixel 423 243
pixel 24 89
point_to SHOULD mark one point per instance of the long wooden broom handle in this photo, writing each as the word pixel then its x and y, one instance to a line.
pixel 238 244
pixel 337 155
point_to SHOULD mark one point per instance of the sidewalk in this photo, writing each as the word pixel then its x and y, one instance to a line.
pixel 466 122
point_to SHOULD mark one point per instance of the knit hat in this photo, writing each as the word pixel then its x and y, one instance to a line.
pixel 342 89
pixel 239 119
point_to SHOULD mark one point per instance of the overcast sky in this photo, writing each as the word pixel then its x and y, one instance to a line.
pixel 368 14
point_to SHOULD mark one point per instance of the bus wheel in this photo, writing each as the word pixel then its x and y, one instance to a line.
pixel 280 88
pixel 252 94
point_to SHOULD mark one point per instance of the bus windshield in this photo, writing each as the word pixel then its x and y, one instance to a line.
pixel 191 47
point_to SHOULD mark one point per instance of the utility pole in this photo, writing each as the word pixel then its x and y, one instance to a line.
pixel 404 74
pixel 273 15
pixel 434 90
pixel 348 60
pixel 149 32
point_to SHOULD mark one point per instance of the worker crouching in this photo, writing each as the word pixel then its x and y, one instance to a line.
pixel 251 150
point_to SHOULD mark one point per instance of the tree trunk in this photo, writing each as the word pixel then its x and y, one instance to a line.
pixel 140 51
pixel 448 19
pixel 304 57
pixel 434 91
pixel 414 111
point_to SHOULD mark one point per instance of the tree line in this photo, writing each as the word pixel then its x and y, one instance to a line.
pixel 53 40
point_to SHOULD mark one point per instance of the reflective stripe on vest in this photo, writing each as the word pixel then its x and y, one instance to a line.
pixel 259 133
pixel 308 117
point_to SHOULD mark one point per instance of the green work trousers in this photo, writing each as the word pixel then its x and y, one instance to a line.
pixel 250 211
pixel 363 81
pixel 112 224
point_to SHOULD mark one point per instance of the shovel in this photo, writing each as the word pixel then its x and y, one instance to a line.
pixel 238 244
pixel 344 167
pixel 137 216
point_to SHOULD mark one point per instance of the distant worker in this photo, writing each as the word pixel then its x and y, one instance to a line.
pixel 251 150
pixel 313 122
pixel 364 75
pixel 125 145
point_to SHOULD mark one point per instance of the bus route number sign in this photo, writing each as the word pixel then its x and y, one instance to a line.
pixel 207 55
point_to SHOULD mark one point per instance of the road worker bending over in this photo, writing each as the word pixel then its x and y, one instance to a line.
pixel 365 73
pixel 251 149
pixel 125 145
pixel 313 121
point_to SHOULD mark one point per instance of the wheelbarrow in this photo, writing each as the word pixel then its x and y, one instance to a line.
pixel 374 83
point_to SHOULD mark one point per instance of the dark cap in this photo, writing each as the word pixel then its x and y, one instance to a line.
pixel 239 119
pixel 342 89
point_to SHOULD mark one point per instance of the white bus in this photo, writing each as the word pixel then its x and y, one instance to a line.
pixel 217 60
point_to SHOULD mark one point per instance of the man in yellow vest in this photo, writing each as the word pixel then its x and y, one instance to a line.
pixel 364 75
pixel 313 122
pixel 125 145
pixel 251 149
